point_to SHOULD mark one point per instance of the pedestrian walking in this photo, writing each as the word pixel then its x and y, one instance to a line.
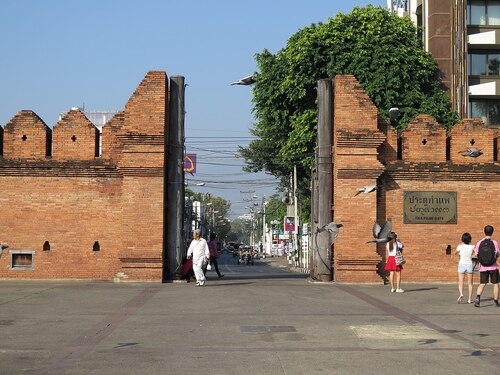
pixel 392 248
pixel 465 266
pixel 487 253
pixel 214 254
pixel 198 252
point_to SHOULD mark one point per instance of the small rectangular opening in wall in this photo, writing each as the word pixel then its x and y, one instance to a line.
pixel 1 141
pixel 97 153
pixel 22 260
pixel 400 148
pixel 495 149
pixel 448 149
pixel 48 144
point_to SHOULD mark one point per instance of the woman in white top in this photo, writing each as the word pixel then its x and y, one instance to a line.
pixel 465 266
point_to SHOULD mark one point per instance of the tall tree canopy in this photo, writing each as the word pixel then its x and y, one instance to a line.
pixel 381 49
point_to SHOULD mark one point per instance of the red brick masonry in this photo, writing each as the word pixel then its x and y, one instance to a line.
pixel 101 216
pixel 366 153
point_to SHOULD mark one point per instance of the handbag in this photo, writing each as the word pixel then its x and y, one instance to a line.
pixel 209 267
pixel 399 258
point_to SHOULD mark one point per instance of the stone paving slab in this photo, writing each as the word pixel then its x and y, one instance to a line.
pixel 256 320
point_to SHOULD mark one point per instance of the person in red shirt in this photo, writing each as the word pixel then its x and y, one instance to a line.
pixel 212 248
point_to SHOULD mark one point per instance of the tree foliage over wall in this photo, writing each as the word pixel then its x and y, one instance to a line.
pixel 381 49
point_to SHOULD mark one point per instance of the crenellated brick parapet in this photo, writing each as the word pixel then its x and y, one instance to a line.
pixel 75 138
pixel 471 133
pixel 26 136
pixel 424 140
pixel 133 138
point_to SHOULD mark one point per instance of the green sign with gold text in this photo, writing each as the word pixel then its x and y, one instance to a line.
pixel 430 207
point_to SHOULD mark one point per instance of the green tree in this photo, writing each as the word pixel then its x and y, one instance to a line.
pixel 240 231
pixel 217 211
pixel 275 209
pixel 384 53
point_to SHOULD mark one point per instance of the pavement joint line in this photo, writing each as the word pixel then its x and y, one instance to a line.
pixel 240 349
pixel 28 295
pixel 77 349
pixel 412 319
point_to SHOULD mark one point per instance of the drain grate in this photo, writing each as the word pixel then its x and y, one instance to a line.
pixel 271 329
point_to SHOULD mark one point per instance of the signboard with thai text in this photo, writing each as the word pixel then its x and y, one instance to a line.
pixel 430 207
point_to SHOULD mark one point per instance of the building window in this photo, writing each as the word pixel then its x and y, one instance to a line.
pixel 484 64
pixel 488 110
pixel 483 12
pixel 22 260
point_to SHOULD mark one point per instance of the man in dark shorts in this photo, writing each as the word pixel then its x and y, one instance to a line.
pixel 488 273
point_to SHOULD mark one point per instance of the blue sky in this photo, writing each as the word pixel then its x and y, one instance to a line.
pixel 58 54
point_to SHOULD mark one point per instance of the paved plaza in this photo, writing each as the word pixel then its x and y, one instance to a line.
pixel 256 320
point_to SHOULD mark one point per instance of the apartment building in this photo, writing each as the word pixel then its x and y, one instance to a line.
pixel 464 38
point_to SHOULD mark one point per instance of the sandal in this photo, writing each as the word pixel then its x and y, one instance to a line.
pixel 460 299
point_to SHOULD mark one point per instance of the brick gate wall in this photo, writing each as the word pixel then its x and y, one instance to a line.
pixel 57 189
pixel 366 153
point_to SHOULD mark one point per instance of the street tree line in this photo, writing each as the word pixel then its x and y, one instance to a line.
pixel 382 50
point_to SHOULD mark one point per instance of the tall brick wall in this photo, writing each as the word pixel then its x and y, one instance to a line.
pixel 429 161
pixel 75 200
pixel 355 163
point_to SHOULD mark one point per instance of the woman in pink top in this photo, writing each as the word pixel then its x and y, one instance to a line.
pixel 487 272
pixel 214 254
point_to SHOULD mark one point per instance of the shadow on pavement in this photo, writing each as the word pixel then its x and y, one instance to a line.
pixel 419 290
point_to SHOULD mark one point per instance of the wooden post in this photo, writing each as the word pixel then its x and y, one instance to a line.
pixel 322 254
pixel 174 211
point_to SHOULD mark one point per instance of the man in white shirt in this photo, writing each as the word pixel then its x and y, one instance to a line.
pixel 199 253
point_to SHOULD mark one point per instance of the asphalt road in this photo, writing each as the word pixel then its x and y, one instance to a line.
pixel 256 320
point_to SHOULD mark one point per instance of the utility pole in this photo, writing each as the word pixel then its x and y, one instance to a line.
pixel 173 242
pixel 296 217
pixel 322 255
pixel 264 227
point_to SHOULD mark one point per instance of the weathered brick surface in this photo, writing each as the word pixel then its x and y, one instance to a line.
pixel 425 244
pixel 26 136
pixel 75 138
pixel 471 133
pixel 74 198
pixel 358 151
pixel 356 164
pixel 427 142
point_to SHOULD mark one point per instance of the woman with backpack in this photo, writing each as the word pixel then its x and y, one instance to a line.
pixel 465 266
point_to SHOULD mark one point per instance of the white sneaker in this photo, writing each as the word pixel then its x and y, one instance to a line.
pixel 201 283
pixel 400 290
pixel 197 284
pixel 393 290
